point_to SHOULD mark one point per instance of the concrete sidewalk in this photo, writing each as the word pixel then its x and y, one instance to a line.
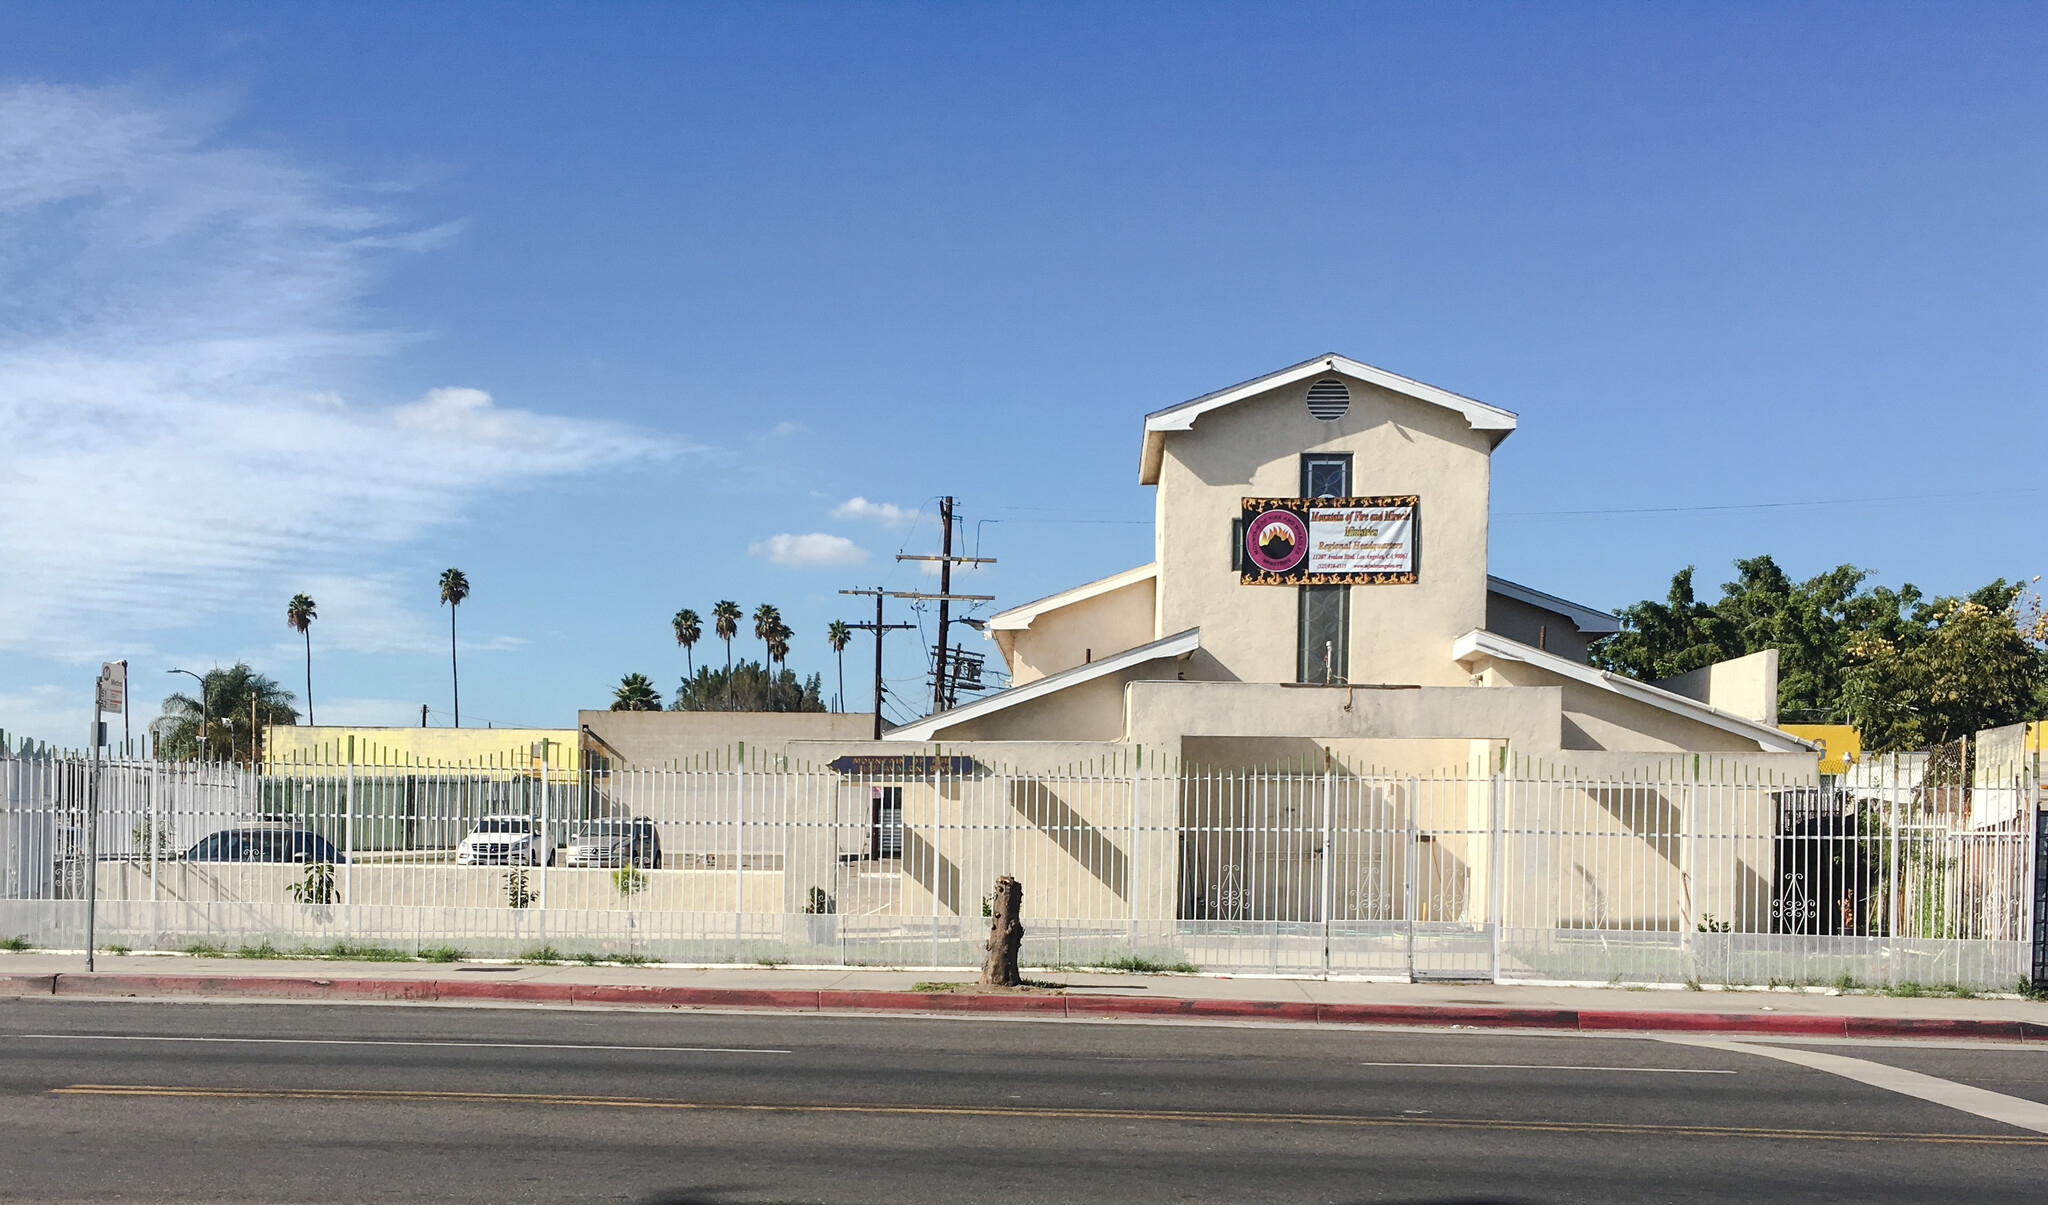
pixel 1094 994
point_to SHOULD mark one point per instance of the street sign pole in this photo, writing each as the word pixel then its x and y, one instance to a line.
pixel 110 693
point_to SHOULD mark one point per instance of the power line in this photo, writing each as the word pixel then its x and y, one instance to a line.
pixel 1738 506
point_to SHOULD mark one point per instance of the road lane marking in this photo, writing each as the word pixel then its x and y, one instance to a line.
pixel 1058 1114
pixel 1982 1102
pixel 123 1037
pixel 1561 1067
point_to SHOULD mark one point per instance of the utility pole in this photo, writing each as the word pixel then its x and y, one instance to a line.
pixel 942 694
pixel 879 629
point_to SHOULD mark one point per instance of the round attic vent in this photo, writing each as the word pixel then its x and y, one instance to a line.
pixel 1328 399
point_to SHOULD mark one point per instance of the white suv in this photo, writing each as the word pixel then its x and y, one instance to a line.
pixel 501 841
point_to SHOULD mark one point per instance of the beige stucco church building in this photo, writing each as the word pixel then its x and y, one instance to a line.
pixel 1320 585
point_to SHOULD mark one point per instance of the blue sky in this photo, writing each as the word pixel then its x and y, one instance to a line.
pixel 597 302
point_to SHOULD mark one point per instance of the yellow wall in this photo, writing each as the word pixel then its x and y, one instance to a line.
pixel 511 748
pixel 1840 744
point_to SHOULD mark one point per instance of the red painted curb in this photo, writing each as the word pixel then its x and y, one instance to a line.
pixel 470 989
pixel 1507 1017
pixel 696 997
pixel 1272 1010
pixel 1834 1027
pixel 1935 1027
pixel 1425 1014
pixel 941 1002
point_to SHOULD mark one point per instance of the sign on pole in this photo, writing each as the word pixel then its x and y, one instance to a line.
pixel 114 687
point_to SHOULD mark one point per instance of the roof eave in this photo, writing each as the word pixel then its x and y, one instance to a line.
pixel 1177 645
pixel 1479 415
pixel 1480 642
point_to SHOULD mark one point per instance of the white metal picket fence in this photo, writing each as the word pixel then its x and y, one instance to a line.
pixel 1523 875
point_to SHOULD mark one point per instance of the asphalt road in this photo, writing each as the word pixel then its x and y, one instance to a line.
pixel 253 1102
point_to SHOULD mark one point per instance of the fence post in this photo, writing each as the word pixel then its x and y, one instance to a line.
pixel 92 837
pixel 1329 802
pixel 739 850
pixel 1496 891
pixel 1131 856
pixel 1688 874
pixel 544 851
pixel 348 841
pixel 156 836
pixel 2038 922
pixel 1412 871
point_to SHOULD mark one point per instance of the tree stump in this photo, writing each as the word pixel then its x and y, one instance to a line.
pixel 1005 934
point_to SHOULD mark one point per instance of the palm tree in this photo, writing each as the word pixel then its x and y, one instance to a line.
pixel 299 615
pixel 454 588
pixel 239 700
pixel 688 629
pixel 766 620
pixel 636 693
pixel 725 620
pixel 837 637
pixel 778 650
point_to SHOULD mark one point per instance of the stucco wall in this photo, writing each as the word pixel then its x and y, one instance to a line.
pixel 1164 712
pixel 1744 686
pixel 1399 634
pixel 659 738
pixel 1074 634
pixel 1535 627
pixel 1596 719
pixel 1090 711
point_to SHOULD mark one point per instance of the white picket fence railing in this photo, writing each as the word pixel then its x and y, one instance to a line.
pixel 1525 875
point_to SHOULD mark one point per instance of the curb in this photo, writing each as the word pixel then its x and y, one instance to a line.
pixel 421 991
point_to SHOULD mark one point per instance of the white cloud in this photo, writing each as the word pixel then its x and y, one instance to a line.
pixel 886 513
pixel 55 715
pixel 804 551
pixel 180 329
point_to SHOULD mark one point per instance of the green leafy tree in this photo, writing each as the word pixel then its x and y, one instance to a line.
pixel 454 588
pixel 750 686
pixel 231 696
pixel 1959 666
pixel 1850 653
pixel 299 615
pixel 837 637
pixel 689 630
pixel 725 620
pixel 636 693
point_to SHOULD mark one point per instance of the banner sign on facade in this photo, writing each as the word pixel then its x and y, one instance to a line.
pixel 1329 541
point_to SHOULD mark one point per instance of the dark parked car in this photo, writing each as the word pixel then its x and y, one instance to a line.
pixel 264 843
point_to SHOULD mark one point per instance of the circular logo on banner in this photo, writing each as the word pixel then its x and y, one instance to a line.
pixel 1276 541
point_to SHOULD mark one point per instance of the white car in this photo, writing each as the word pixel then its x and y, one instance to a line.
pixel 501 841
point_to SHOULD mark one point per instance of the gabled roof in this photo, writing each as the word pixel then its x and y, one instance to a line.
pixel 1590 621
pixel 1481 416
pixel 1480 642
pixel 1176 645
pixel 1021 616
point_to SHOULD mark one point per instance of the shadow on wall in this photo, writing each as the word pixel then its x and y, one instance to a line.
pixel 1077 838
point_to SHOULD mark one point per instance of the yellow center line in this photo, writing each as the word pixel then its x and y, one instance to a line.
pixel 1056 1113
